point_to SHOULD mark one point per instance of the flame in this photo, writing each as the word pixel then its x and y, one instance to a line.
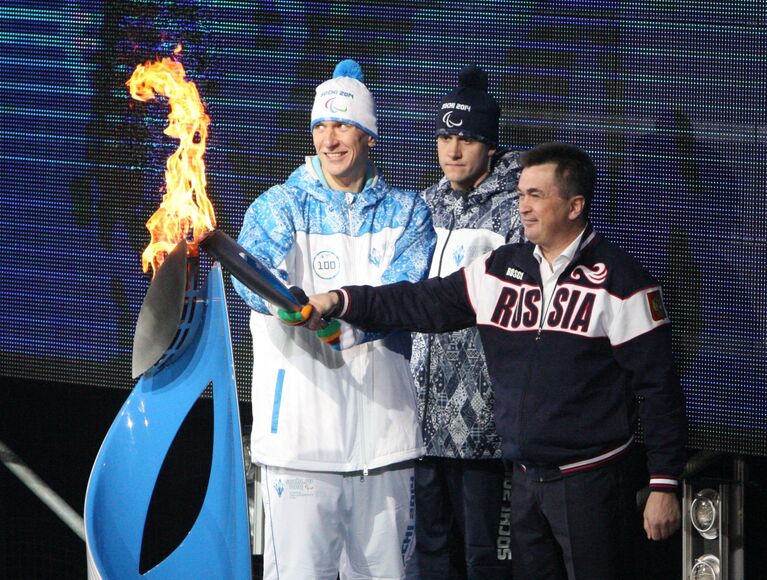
pixel 185 210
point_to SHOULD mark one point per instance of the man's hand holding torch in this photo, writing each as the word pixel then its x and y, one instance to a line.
pixel 315 316
pixel 325 306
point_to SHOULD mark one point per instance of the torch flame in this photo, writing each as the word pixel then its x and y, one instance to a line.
pixel 185 209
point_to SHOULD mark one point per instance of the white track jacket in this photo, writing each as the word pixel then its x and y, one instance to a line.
pixel 315 408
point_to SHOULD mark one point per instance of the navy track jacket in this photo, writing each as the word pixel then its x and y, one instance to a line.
pixel 570 377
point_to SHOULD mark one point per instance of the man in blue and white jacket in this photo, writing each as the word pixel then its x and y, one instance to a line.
pixel 578 346
pixel 461 489
pixel 336 430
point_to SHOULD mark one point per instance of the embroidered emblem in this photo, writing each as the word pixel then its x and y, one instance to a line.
pixel 326 265
pixel 597 275
pixel 514 273
pixel 449 122
pixel 374 257
pixel 458 255
pixel 657 309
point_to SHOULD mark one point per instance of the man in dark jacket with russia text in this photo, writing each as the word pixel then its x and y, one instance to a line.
pixel 578 345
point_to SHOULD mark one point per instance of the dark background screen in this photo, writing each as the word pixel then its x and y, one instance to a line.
pixel 668 98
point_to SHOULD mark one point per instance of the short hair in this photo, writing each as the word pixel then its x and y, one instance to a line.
pixel 575 171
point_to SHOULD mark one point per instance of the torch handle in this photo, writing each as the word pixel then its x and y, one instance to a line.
pixel 249 270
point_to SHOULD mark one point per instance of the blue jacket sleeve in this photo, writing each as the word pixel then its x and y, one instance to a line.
pixel 414 249
pixel 268 233
pixel 412 253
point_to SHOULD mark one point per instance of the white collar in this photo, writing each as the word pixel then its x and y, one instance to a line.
pixel 567 254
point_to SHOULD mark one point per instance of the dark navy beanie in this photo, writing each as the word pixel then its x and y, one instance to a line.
pixel 469 111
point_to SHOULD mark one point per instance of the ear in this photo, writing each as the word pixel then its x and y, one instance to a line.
pixel 371 142
pixel 577 205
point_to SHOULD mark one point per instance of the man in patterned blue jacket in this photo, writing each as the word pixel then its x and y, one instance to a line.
pixel 336 431
pixel 459 484
pixel 578 346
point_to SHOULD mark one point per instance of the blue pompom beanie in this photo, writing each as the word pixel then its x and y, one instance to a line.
pixel 345 99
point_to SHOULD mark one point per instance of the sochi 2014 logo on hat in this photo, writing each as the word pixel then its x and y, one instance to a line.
pixel 337 101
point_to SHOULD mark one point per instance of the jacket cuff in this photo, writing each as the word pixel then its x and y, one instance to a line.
pixel 664 483
pixel 343 304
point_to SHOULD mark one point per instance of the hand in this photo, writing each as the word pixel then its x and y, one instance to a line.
pixel 298 318
pixel 323 304
pixel 662 515
pixel 331 334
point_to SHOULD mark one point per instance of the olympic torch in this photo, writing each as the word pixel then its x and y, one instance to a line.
pixel 182 346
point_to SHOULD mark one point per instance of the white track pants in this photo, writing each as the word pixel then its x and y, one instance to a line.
pixel 319 524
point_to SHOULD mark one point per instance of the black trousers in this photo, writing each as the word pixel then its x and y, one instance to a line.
pixel 462 520
pixel 574 527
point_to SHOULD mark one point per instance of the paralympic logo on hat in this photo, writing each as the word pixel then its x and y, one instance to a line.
pixel 337 105
pixel 449 122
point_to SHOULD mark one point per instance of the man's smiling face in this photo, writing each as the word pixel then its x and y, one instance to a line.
pixel 344 151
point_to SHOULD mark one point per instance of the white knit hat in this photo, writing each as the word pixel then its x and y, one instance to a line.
pixel 345 99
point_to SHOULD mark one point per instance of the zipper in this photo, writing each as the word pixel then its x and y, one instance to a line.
pixel 349 202
pixel 360 409
pixel 430 337
pixel 356 361
pixel 545 312
pixel 532 361
pixel 447 240
pixel 532 358
pixel 521 422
